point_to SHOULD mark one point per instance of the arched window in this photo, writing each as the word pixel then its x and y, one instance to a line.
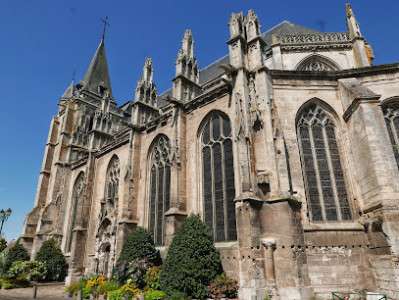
pixel 321 164
pixel 316 63
pixel 112 183
pixel 77 199
pixel 218 178
pixel 391 116
pixel 159 188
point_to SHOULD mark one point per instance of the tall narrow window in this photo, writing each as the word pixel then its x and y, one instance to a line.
pixel 77 200
pixel 112 185
pixel 323 175
pixel 159 188
pixel 218 178
pixel 391 115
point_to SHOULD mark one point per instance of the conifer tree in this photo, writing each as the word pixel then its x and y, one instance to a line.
pixel 192 261
pixel 16 253
pixel 139 246
pixel 51 254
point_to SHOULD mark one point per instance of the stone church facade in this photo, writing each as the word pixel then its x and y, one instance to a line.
pixel 287 147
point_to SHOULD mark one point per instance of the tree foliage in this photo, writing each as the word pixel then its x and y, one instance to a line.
pixel 16 253
pixel 51 254
pixel 139 246
pixel 192 262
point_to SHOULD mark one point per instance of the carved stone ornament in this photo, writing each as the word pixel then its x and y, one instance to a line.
pixel 254 111
pixel 239 120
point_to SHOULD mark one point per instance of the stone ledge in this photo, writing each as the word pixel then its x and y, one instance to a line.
pixel 333 227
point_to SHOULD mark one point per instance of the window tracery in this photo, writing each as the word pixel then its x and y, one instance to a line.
pixel 160 173
pixel 218 178
pixel 112 186
pixel 391 116
pixel 321 164
pixel 316 63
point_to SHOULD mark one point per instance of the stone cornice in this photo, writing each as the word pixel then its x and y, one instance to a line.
pixel 146 105
pixel 180 76
pixel 235 38
pixel 113 145
pixel 335 75
pixel 218 90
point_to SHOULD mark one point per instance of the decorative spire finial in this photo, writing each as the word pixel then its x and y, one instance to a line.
pixel 105 25
pixel 349 11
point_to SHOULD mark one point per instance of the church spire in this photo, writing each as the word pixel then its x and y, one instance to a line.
pixel 96 79
pixel 69 91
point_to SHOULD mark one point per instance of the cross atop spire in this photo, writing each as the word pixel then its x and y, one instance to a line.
pixel 105 25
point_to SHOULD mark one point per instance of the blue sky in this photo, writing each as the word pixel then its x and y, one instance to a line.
pixel 44 42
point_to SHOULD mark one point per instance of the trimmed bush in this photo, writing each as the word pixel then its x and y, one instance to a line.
pixel 57 266
pixel 192 262
pixel 140 245
pixel 16 253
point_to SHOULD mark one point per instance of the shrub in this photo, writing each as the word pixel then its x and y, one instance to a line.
pixel 137 271
pixel 152 277
pixel 9 286
pixel 3 244
pixel 140 245
pixel 133 272
pixel 21 281
pixel 192 261
pixel 57 266
pixel 107 287
pixel 127 291
pixel 16 253
pixel 32 270
pixel 3 259
pixel 73 289
pixel 154 295
pixel 223 287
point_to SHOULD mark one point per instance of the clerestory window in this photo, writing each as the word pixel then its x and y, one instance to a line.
pixel 391 116
pixel 218 178
pixel 159 188
pixel 321 164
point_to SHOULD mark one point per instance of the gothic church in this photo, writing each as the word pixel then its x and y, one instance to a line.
pixel 287 147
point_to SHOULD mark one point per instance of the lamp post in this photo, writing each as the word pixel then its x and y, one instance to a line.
pixel 3 217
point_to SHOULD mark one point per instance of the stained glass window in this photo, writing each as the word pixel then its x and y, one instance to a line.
pixel 113 181
pixel 391 115
pixel 322 169
pixel 159 188
pixel 218 178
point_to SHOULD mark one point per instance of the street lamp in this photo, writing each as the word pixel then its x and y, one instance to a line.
pixel 3 217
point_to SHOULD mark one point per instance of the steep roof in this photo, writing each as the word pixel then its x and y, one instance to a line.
pixel 97 74
pixel 212 71
pixel 69 91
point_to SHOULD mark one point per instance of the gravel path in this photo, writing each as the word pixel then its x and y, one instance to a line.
pixel 55 292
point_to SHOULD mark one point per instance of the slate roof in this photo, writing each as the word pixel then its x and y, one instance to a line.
pixel 212 71
pixel 97 74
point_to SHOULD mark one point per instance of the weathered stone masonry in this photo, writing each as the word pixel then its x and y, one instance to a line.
pixel 287 147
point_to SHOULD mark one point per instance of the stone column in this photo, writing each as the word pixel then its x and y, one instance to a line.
pixel 177 212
